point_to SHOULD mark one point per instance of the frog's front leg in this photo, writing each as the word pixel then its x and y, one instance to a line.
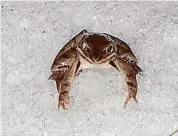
pixel 130 79
pixel 65 86
pixel 78 72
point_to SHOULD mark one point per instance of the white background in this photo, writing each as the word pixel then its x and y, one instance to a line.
pixel 34 32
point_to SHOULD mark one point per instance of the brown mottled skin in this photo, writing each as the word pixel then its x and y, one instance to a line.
pixel 86 50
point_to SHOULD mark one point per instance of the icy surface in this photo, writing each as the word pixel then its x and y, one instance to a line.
pixel 34 32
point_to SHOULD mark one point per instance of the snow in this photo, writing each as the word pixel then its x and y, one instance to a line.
pixel 34 32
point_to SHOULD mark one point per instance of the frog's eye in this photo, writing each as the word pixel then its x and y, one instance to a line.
pixel 110 48
pixel 84 46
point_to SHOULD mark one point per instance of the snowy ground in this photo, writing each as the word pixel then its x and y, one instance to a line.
pixel 34 32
